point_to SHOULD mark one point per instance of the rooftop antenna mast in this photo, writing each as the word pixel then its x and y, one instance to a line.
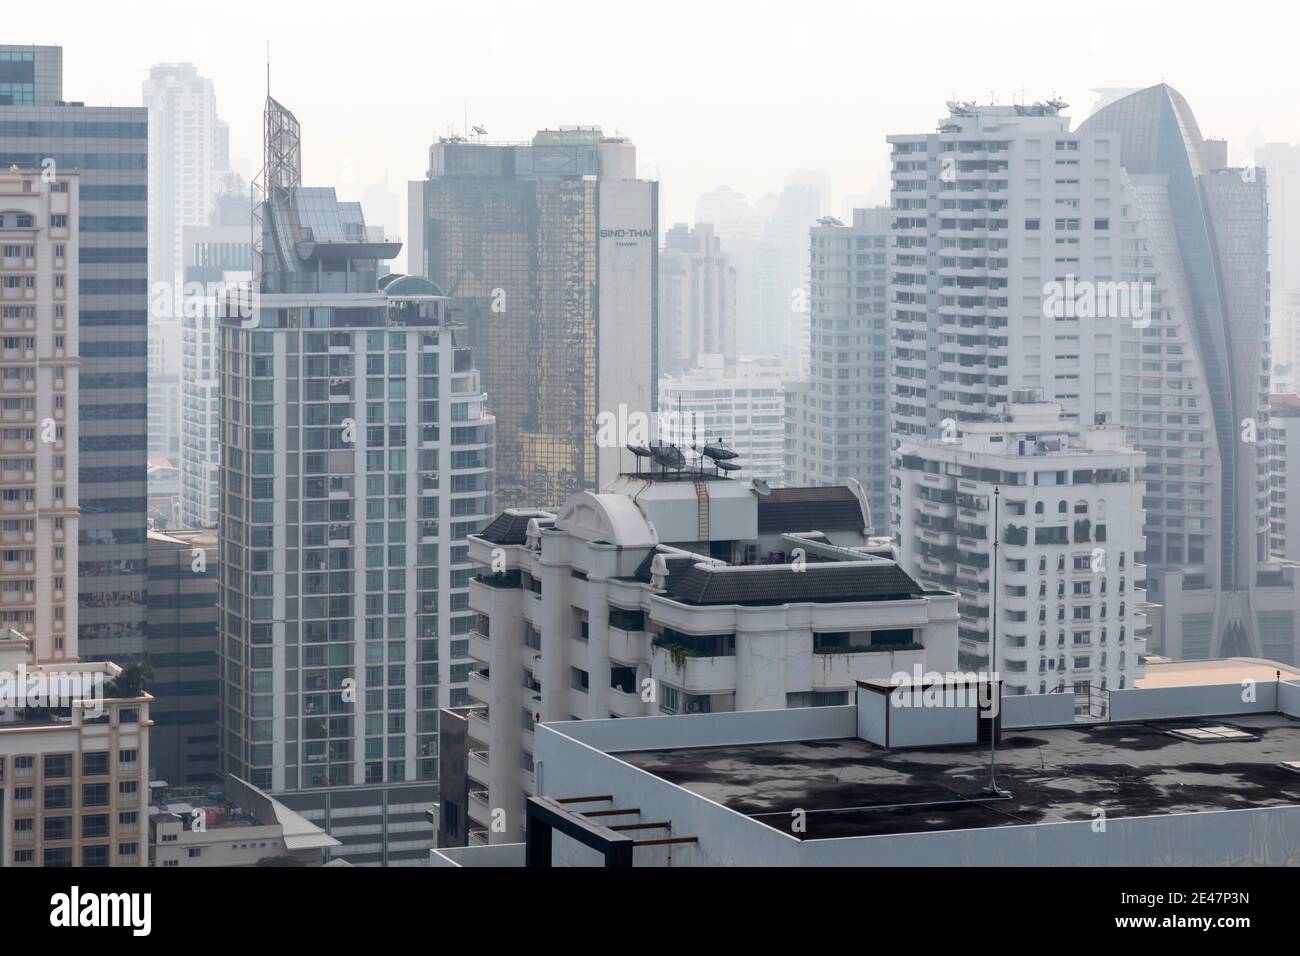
pixel 993 787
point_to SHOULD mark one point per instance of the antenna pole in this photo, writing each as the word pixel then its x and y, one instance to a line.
pixel 993 787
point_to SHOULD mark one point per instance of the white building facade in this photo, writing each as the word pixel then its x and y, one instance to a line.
pixel 740 401
pixel 760 601
pixel 1062 593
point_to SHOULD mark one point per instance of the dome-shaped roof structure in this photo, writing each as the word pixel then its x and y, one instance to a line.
pixel 402 286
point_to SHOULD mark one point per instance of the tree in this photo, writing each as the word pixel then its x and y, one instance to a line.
pixel 133 681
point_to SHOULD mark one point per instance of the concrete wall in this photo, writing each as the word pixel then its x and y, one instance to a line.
pixel 915 725
pixel 709 730
pixel 1037 710
pixel 727 838
pixel 1155 703
pixel 873 716
pixel 1267 836
pixel 500 854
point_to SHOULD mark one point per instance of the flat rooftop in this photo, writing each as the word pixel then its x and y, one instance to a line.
pixel 850 787
pixel 1226 670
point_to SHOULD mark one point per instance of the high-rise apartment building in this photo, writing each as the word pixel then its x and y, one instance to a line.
pixel 1063 601
pixel 837 420
pixel 39 449
pixel 356 458
pixel 41 133
pixel 1281 164
pixel 676 593
pixel 697 299
pixel 165 388
pixel 1090 264
pixel 739 401
pixel 1284 478
pixel 217 257
pixel 550 250
pixel 188 153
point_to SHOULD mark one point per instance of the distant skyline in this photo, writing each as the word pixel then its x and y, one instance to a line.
pixel 711 94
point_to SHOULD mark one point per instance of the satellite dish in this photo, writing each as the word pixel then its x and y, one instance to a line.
pixel 668 456
pixel 718 451
pixel 641 451
pixel 727 465
pixel 761 487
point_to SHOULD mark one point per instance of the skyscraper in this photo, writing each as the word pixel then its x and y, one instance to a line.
pixel 188 149
pixel 39 231
pixel 550 251
pixel 837 421
pixel 697 299
pixel 108 148
pixel 188 152
pixel 1120 269
pixel 356 457
pixel 217 256
pixel 1195 383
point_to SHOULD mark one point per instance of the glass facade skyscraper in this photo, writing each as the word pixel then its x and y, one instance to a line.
pixel 550 250
pixel 356 456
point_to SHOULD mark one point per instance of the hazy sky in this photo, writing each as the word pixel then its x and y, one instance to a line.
pixel 711 92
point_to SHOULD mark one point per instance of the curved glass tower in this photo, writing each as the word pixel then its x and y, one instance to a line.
pixel 1198 380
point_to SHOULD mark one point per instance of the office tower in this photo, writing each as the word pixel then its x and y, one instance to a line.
pixel 550 251
pixel 1194 384
pixel 673 593
pixel 697 299
pixel 182 649
pixel 39 266
pixel 217 257
pixel 837 420
pixel 1281 164
pixel 739 401
pixel 107 148
pixel 1064 599
pixel 356 457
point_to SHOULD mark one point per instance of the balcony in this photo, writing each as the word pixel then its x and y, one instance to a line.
pixel 480 684
pixel 628 647
pixel 840 671
pixel 480 809
pixel 622 704
pixel 480 647
pixel 694 675
pixel 478 766
pixel 478 727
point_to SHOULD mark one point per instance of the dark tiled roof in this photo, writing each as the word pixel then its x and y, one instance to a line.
pixel 507 528
pixel 677 566
pixel 833 508
pixel 783 584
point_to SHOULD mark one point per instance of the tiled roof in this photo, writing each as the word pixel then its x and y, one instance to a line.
pixel 507 528
pixel 832 508
pixel 831 582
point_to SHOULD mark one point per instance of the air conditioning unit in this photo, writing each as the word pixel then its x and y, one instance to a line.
pixel 693 707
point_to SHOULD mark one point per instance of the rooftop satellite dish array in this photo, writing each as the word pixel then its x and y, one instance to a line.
pixel 668 457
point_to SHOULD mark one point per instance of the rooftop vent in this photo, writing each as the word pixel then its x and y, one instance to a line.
pixel 1211 735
